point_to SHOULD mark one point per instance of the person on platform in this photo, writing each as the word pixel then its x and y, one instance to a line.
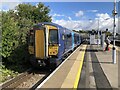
pixel 107 41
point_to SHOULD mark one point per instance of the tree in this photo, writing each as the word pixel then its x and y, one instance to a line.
pixel 29 15
pixel 39 13
pixel 9 34
pixel 15 25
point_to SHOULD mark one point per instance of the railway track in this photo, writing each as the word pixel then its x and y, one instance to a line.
pixel 29 79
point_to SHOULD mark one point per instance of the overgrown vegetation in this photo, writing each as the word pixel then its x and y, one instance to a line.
pixel 6 73
pixel 15 25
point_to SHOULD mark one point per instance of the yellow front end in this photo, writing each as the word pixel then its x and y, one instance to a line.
pixel 44 42
pixel 53 50
pixel 43 45
pixel 53 41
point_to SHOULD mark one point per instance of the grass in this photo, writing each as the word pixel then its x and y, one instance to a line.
pixel 9 71
pixel 6 74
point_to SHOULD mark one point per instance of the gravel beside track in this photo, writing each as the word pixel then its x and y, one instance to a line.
pixel 27 79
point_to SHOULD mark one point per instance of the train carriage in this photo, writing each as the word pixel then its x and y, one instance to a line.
pixel 49 42
pixel 77 39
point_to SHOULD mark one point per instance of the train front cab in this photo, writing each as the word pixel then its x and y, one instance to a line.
pixel 53 45
pixel 43 45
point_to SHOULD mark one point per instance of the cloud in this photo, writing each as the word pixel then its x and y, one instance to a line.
pixel 60 15
pixel 10 1
pixel 70 18
pixel 57 15
pixel 54 15
pixel 71 24
pixel 87 25
pixel 103 16
pixel 92 11
pixel 79 13
pixel 105 21
pixel 7 5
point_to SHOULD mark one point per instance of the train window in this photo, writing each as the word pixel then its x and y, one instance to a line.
pixel 31 40
pixel 53 36
pixel 63 37
pixel 69 35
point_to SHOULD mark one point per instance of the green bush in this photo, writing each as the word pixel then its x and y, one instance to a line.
pixel 15 25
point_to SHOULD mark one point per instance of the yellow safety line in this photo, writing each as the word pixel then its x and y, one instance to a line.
pixel 79 71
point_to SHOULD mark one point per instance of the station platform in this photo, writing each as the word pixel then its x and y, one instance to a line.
pixel 87 67
pixel 98 70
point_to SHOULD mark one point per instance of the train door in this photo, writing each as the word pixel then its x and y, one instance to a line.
pixel 53 42
pixel 40 44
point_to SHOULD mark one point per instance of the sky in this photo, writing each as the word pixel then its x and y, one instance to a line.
pixel 77 15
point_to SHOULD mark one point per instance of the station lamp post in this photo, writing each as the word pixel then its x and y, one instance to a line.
pixel 100 30
pixel 98 33
pixel 114 12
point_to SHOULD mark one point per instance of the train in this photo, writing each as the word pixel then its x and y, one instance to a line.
pixel 49 42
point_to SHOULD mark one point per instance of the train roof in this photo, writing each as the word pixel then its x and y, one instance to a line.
pixel 53 24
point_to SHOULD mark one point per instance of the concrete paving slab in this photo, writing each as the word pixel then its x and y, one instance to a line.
pixel 71 77
pixel 110 69
pixel 59 77
pixel 91 76
pixel 102 72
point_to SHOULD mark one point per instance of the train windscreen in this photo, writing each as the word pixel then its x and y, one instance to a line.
pixel 53 36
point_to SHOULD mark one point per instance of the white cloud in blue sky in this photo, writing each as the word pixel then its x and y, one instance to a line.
pixel 7 5
pixel 57 15
pixel 75 17
pixel 79 13
pixel 92 11
pixel 70 18
pixel 105 21
pixel 103 16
